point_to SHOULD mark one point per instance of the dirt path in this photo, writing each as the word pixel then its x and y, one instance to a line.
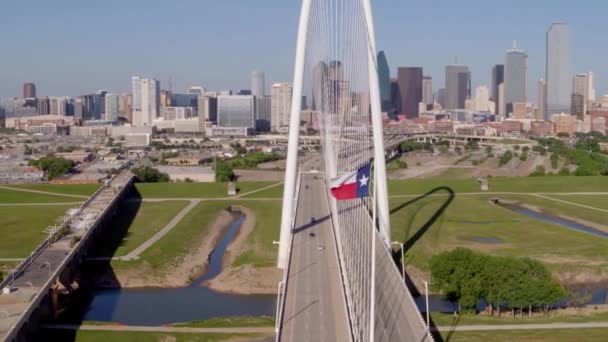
pixel 42 192
pixel 134 254
pixel 162 329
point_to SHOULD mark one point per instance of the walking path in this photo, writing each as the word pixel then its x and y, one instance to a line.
pixel 571 203
pixel 506 193
pixel 258 190
pixel 38 204
pixel 526 326
pixel 134 254
pixel 163 329
pixel 43 192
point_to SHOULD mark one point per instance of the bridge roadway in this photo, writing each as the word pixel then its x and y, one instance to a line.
pixel 33 279
pixel 315 308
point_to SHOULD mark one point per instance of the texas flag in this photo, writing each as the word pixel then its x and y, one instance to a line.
pixel 352 185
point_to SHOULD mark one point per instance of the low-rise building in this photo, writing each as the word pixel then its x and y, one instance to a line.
pixel 541 128
pixel 189 173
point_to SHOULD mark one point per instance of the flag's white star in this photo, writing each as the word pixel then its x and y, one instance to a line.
pixel 363 180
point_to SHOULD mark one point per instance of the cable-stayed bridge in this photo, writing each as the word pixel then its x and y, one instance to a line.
pixel 340 281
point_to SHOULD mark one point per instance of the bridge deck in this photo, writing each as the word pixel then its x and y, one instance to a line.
pixel 314 306
pixel 35 275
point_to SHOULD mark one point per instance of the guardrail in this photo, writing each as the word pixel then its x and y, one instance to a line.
pixel 11 335
pixel 47 242
pixel 283 284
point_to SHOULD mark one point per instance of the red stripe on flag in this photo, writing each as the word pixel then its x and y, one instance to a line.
pixel 345 192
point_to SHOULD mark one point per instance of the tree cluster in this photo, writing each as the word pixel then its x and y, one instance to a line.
pixel 147 174
pixel 505 158
pixel 53 166
pixel 585 153
pixel 223 172
pixel 251 160
pixel 410 146
pixel 504 283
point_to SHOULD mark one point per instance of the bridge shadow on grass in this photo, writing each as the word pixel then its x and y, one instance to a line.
pixel 98 273
pixel 411 241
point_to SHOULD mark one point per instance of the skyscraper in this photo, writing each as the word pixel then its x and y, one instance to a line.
pixel 384 78
pixel 516 77
pixel 558 74
pixel 457 85
pixel 257 83
pixel 581 93
pixel 280 104
pixel 410 90
pixel 542 100
pixel 262 113
pixel 29 90
pixel 146 100
pixel 236 111
pixel 112 106
pixel 498 77
pixel 427 90
pixel 482 99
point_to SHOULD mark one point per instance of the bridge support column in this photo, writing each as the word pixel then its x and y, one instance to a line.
pixel 294 135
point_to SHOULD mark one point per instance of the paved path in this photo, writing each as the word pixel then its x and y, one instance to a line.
pixel 43 192
pixel 505 193
pixel 202 199
pixel 164 329
pixel 134 254
pixel 571 203
pixel 526 326
pixel 258 190
pixel 12 259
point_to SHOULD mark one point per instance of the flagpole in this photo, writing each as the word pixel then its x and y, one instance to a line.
pixel 373 280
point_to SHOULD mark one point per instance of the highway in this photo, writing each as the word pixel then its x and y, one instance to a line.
pixel 315 309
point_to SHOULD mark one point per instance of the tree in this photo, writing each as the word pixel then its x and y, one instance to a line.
pixel 147 174
pixel 489 149
pixel 505 158
pixel 53 166
pixel 554 160
pixel 471 145
pixel 458 150
pixel 223 172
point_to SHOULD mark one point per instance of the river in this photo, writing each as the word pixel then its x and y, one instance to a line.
pixel 154 307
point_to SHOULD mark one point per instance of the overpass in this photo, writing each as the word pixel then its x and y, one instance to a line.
pixel 32 289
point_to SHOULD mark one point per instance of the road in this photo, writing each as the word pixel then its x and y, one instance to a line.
pixel 314 305
pixel 163 329
pixel 526 326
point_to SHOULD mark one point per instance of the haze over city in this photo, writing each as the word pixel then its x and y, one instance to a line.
pixel 71 47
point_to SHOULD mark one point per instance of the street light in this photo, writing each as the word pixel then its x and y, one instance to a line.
pixel 402 258
pixel 428 320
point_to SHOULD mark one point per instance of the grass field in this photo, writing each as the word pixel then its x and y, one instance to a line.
pixel 274 192
pixel 194 190
pixel 445 319
pixel 470 217
pixel 223 322
pixel 546 335
pixel 502 184
pixel 22 228
pixel 128 336
pixel 556 208
pixel 596 201
pixel 21 197
pixel 68 189
pixel 141 220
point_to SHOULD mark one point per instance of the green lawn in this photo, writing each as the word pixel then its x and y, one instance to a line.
pixel 140 220
pixel 193 190
pixel 445 319
pixel 130 336
pixel 468 217
pixel 69 189
pixel 502 184
pixel 546 335
pixel 557 208
pixel 274 192
pixel 223 322
pixel 596 201
pixel 21 197
pixel 22 228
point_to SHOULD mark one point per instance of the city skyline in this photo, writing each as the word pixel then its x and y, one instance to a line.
pixel 216 61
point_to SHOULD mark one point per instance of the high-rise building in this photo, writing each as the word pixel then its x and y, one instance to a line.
pixel 29 91
pixel 457 85
pixel 516 79
pixel 395 95
pixel 125 107
pixel 58 105
pixel 582 85
pixel 184 100
pixel 427 90
pixel 482 99
pixel 207 108
pixel 558 74
pixel 236 111
pixel 441 94
pixel 112 107
pixel 577 106
pixel 146 100
pixel 591 87
pixel 542 100
pixel 165 98
pixel 410 90
pixel 198 90
pixel 501 100
pixel 280 112
pixel 43 105
pixel 384 79
pixel 262 112
pixel 498 76
pixel 257 83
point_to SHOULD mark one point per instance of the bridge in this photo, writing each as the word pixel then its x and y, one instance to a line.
pixel 32 289
pixel 340 281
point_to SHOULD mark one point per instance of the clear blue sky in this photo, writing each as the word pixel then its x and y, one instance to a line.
pixel 72 47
